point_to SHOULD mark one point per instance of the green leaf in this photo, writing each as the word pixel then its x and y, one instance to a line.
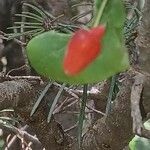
pixel 46 51
pixel 114 13
pixel 140 143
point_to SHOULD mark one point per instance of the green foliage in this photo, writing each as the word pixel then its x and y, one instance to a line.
pixel 46 51
pixel 114 13
pixel 140 143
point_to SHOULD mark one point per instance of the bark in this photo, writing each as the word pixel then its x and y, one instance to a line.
pixel 115 131
pixel 143 45
pixel 112 132
pixel 21 95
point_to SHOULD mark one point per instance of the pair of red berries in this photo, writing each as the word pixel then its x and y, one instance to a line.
pixel 83 48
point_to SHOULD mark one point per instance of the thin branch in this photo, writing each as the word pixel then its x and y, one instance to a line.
pixel 95 110
pixel 30 78
pixel 22 134
pixel 71 128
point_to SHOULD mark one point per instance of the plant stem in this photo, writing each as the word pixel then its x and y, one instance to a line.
pixel 110 96
pixel 82 115
pixel 100 13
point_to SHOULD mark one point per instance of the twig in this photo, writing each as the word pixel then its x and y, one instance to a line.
pixel 8 77
pixel 94 93
pixel 59 108
pixel 95 110
pixel 22 134
pixel 63 108
pixel 16 69
pixel 71 128
pixel 14 138
pixel 71 92
pixel 2 36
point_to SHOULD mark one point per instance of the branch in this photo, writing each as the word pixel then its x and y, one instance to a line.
pixel 20 133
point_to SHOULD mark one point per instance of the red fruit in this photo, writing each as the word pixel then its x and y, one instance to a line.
pixel 83 48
